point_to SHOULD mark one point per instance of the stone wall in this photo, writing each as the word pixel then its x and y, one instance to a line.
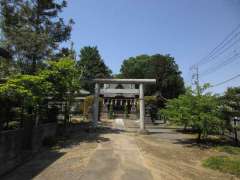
pixel 40 133
pixel 13 151
pixel 10 149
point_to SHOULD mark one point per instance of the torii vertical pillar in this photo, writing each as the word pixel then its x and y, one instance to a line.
pixel 142 107
pixel 96 105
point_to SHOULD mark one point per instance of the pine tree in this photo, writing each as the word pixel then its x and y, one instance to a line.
pixel 32 30
pixel 93 67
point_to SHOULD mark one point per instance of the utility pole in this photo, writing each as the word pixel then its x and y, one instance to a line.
pixel 195 78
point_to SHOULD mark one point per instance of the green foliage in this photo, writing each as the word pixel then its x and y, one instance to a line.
pixel 231 109
pixel 32 30
pixel 64 75
pixel 60 81
pixel 33 89
pixel 224 164
pixel 93 66
pixel 24 91
pixel 231 100
pixel 179 110
pixel 150 100
pixel 66 52
pixel 200 111
pixel 7 68
pixel 163 68
pixel 152 103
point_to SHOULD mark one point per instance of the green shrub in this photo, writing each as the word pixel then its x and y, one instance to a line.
pixel 149 100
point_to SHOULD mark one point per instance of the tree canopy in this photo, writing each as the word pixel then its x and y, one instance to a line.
pixel 32 30
pixel 93 67
pixel 231 109
pixel 163 68
pixel 199 111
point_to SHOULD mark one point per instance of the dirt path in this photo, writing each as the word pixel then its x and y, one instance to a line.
pixel 117 155
pixel 117 159
pixel 112 155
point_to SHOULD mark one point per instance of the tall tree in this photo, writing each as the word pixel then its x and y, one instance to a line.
pixel 198 110
pixel 163 68
pixel 65 77
pixel 231 110
pixel 93 67
pixel 7 66
pixel 66 52
pixel 32 30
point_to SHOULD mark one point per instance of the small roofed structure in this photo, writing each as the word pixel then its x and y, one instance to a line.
pixel 124 88
pixel 78 102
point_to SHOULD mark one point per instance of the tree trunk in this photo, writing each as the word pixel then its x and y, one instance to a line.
pixel 22 116
pixel 65 115
pixel 235 136
pixel 199 136
pixel 235 132
pixel 185 127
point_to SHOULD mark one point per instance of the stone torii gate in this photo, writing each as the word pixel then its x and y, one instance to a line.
pixel 140 82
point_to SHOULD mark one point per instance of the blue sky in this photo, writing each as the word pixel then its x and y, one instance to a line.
pixel 186 29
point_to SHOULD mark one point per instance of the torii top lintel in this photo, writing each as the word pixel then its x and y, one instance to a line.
pixel 125 81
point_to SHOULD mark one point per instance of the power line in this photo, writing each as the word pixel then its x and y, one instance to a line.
pixel 223 51
pixel 226 62
pixel 223 82
pixel 220 46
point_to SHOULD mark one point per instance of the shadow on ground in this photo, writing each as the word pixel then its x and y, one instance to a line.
pixel 33 168
pixel 76 135
pixel 86 135
pixel 188 138
pixel 206 144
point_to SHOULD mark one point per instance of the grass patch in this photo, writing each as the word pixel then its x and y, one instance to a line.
pixel 229 149
pixel 224 164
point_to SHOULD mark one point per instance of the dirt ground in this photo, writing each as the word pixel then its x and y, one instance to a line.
pixel 118 153
pixel 171 155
